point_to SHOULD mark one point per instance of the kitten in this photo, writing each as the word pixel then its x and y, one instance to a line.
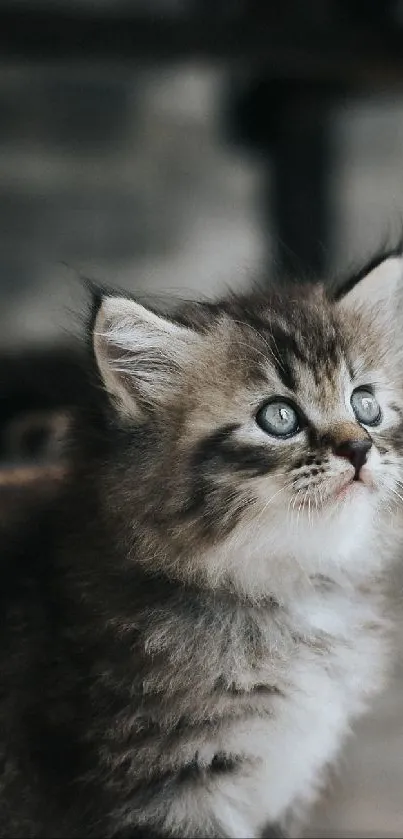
pixel 189 630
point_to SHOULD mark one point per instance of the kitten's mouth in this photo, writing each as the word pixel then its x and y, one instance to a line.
pixel 346 488
pixel 363 480
pixel 351 488
pixel 333 491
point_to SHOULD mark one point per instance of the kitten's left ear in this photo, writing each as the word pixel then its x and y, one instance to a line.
pixel 379 288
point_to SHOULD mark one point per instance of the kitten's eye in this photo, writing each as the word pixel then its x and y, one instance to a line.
pixel 278 418
pixel 366 407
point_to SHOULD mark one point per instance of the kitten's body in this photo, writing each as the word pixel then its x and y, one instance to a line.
pixel 176 706
pixel 182 656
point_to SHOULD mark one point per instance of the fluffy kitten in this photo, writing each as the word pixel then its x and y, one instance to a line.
pixel 189 631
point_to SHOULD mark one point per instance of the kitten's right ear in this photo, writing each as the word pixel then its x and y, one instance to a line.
pixel 378 287
pixel 140 354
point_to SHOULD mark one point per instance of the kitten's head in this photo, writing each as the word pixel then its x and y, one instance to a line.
pixel 257 433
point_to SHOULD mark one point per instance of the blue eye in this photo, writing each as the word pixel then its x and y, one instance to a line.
pixel 366 407
pixel 279 418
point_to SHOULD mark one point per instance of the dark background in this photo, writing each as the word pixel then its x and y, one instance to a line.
pixel 179 147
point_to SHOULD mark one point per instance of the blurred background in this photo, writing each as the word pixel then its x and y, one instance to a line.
pixel 180 147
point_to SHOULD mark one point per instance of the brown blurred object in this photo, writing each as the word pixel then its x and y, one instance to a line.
pixel 36 435
pixel 23 490
pixel 39 389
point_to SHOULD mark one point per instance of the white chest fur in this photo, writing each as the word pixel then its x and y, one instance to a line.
pixel 323 686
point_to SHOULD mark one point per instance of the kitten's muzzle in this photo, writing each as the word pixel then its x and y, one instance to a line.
pixel 355 451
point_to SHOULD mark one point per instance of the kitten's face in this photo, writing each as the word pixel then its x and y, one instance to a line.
pixel 294 426
pixel 276 426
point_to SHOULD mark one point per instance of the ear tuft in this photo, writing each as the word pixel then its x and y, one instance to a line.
pixel 140 354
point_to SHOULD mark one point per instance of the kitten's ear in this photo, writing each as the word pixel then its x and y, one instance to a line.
pixel 140 355
pixel 380 288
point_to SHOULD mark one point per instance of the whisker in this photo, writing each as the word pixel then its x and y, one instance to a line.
pixel 300 505
pixel 288 484
pixel 396 493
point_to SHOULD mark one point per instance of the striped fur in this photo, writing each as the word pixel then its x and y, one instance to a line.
pixel 192 627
